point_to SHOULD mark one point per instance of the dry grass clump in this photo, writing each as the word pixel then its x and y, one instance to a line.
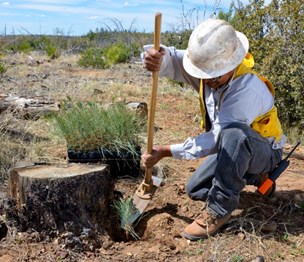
pixel 25 140
pixel 11 151
pixel 13 147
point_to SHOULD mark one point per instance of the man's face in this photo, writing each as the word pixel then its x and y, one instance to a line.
pixel 218 81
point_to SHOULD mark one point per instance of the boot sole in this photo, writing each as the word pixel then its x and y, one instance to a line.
pixel 195 238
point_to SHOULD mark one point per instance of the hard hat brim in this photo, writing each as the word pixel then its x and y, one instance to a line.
pixel 212 71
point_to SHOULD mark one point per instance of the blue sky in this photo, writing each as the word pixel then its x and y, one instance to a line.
pixel 77 17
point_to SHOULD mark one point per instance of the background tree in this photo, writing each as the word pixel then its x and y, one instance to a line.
pixel 276 39
pixel 284 61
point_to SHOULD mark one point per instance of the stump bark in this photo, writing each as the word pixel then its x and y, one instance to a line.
pixel 66 197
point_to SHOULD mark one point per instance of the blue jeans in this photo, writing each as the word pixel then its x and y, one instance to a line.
pixel 242 156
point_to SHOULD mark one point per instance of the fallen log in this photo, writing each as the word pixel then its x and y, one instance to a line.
pixel 27 108
pixel 62 197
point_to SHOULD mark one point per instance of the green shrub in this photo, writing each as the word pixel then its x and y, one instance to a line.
pixel 2 68
pixel 93 57
pixel 52 51
pixel 117 53
pixel 31 43
pixel 26 46
pixel 275 33
pixel 135 50
pixel 48 46
pixel 91 127
pixel 177 39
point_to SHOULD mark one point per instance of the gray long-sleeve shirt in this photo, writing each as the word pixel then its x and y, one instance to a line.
pixel 243 99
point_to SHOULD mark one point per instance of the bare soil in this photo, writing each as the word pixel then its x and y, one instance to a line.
pixel 261 228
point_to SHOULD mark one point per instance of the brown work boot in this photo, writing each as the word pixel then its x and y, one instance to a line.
pixel 204 226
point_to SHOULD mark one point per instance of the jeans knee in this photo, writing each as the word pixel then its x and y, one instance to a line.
pixel 197 193
pixel 189 190
pixel 192 193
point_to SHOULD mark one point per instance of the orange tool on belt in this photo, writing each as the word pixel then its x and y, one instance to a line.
pixel 274 174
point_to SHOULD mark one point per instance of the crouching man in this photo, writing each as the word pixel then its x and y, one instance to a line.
pixel 243 137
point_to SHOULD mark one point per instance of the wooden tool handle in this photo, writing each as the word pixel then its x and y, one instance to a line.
pixel 157 30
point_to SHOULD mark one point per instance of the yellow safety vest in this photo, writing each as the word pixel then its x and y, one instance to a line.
pixel 267 125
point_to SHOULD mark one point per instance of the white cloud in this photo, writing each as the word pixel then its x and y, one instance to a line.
pixel 5 3
pixel 94 17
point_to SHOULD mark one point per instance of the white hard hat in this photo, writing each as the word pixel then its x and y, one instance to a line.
pixel 214 49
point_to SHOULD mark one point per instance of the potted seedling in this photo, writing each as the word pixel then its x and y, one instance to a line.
pixel 95 133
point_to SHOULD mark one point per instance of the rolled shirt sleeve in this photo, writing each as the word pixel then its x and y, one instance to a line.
pixel 196 147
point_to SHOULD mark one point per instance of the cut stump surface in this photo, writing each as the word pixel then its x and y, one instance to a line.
pixel 54 197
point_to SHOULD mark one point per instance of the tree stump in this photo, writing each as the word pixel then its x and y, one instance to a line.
pixel 62 197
